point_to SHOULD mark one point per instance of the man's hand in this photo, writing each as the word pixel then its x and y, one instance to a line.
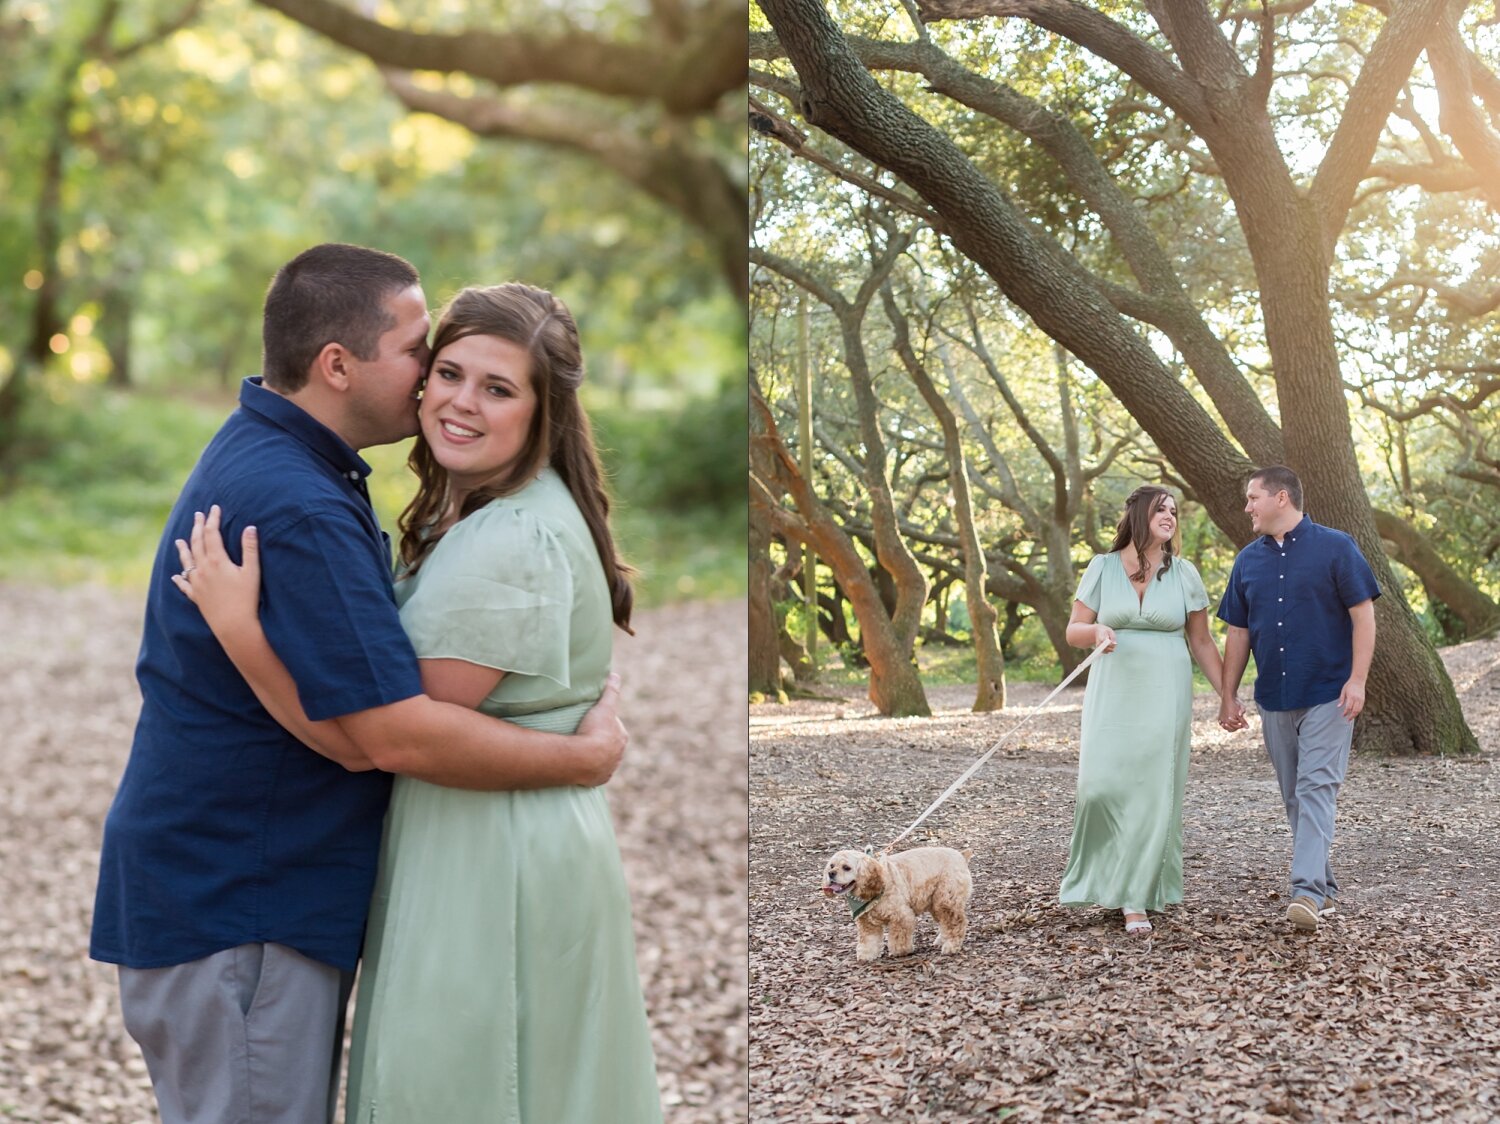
pixel 1352 699
pixel 1232 714
pixel 603 735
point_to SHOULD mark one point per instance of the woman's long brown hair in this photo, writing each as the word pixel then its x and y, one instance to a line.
pixel 560 433
pixel 1135 528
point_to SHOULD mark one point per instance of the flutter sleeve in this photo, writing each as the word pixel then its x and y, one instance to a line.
pixel 1088 585
pixel 1194 595
pixel 497 591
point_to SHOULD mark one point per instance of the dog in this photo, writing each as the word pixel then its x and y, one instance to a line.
pixel 887 892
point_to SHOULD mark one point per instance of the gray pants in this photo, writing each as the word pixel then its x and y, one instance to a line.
pixel 1309 749
pixel 250 1035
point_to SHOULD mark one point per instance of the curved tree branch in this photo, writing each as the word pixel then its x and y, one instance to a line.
pixel 1094 31
pixel 1458 115
pixel 688 78
pixel 1370 104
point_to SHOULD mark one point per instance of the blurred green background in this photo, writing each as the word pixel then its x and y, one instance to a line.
pixel 162 159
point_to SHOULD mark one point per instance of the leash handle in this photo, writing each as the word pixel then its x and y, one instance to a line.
pixel 974 768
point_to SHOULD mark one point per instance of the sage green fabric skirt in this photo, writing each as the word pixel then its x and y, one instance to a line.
pixel 499 980
pixel 1132 772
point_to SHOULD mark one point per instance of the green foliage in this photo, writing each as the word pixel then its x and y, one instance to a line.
pixel 681 458
pixel 99 475
pixel 193 168
pixel 102 469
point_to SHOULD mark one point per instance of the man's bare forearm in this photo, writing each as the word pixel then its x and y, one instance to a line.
pixel 1363 641
pixel 452 746
pixel 1236 659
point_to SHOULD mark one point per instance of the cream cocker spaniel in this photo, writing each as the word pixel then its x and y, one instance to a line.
pixel 887 892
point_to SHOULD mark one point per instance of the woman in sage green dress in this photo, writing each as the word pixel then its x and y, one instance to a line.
pixel 499 979
pixel 1147 607
pixel 499 984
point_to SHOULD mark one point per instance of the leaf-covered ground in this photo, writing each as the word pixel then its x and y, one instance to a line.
pixel 1391 1011
pixel 68 703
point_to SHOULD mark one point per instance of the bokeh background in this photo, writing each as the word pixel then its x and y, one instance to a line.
pixel 163 158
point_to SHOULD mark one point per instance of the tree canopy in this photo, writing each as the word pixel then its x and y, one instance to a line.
pixel 1266 235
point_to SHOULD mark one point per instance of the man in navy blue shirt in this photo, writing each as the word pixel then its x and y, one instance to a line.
pixel 237 862
pixel 1302 597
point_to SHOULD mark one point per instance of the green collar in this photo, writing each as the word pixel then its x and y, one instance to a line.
pixel 856 906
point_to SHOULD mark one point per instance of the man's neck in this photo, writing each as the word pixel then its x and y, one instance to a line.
pixel 319 409
pixel 1288 529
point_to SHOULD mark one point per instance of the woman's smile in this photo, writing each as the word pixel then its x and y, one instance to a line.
pixel 458 433
pixel 477 408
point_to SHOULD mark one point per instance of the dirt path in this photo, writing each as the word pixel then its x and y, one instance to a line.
pixel 67 708
pixel 1391 1011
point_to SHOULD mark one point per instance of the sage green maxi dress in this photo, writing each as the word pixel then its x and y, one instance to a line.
pixel 499 980
pixel 1133 752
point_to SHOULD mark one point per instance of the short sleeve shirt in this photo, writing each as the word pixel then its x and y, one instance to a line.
pixel 225 829
pixel 1294 598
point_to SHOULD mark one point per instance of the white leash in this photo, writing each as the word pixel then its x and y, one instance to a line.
pixel 974 768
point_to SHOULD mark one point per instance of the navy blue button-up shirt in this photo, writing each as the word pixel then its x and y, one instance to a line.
pixel 225 829
pixel 1294 597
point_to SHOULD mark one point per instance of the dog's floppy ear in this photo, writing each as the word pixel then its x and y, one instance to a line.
pixel 869 881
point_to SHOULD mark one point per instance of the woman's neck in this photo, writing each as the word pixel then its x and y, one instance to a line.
pixel 455 506
pixel 1151 555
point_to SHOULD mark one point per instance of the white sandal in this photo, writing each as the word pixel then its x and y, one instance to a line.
pixel 1138 927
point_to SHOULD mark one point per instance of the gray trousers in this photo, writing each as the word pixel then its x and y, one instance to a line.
pixel 250 1035
pixel 1309 750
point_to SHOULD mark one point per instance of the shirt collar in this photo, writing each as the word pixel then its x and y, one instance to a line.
pixel 283 412
pixel 1304 526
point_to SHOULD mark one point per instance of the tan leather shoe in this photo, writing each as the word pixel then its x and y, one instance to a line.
pixel 1303 913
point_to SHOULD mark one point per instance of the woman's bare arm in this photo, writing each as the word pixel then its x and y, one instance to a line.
pixel 1205 651
pixel 1083 631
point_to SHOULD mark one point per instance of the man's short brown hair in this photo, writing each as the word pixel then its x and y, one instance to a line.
pixel 333 293
pixel 1278 478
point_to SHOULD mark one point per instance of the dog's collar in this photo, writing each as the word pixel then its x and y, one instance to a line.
pixel 856 906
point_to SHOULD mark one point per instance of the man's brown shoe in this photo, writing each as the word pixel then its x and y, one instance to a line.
pixel 1303 913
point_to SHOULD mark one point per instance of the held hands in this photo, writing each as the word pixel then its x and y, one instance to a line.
pixel 605 736
pixel 227 595
pixel 1232 714
pixel 1352 699
pixel 1104 637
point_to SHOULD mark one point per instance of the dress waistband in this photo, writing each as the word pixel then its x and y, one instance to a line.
pixel 563 720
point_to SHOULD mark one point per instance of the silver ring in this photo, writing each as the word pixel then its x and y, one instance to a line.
pixel 188 570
